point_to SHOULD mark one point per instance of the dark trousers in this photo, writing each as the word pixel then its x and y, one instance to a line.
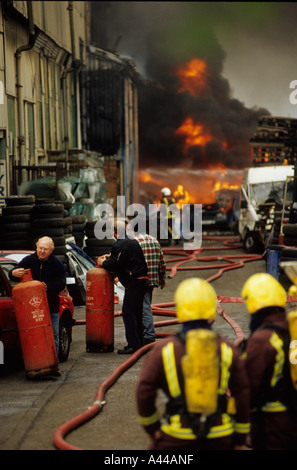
pixel 166 442
pixel 274 431
pixel 132 312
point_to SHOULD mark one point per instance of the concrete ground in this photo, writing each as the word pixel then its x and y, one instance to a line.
pixel 32 412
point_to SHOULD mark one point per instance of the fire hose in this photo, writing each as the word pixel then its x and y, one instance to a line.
pixel 77 421
pixel 98 404
pixel 159 309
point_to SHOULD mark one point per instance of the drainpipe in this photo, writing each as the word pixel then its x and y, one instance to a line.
pixel 64 82
pixel 66 137
pixel 18 56
pixel 70 8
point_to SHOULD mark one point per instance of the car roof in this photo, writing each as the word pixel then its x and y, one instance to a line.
pixel 16 255
pixel 3 260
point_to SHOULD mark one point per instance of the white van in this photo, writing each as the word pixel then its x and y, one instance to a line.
pixel 259 185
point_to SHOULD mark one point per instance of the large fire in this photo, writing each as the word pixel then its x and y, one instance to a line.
pixel 191 187
pixel 193 78
pixel 188 187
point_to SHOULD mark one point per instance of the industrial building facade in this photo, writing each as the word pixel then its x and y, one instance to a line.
pixel 61 98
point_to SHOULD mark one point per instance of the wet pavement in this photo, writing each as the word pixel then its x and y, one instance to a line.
pixel 32 412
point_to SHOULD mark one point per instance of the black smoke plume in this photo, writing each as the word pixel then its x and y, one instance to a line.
pixel 160 37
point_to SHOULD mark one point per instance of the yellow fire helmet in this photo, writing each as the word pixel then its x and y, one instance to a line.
pixel 263 290
pixel 195 299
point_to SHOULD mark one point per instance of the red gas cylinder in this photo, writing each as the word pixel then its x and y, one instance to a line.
pixel 99 310
pixel 35 327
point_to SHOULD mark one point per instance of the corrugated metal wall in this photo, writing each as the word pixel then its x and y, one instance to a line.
pixel 112 115
pixel 33 84
pixel 104 105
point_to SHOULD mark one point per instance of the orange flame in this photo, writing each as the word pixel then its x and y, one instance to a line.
pixel 146 177
pixel 194 134
pixel 213 185
pixel 193 77
pixel 225 185
pixel 182 196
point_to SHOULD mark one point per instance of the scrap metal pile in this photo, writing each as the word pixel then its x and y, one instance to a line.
pixel 274 141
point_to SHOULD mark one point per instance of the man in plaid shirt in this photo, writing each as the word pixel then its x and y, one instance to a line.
pixel 157 275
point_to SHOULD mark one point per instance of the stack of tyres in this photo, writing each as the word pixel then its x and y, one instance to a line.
pixel 67 226
pixel 16 221
pixel 94 246
pixel 78 229
pixel 60 250
pixel 290 234
pixel 48 220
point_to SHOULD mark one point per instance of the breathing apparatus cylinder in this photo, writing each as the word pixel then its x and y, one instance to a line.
pixel 200 367
pixel 292 320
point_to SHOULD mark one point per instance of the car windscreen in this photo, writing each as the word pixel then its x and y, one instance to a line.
pixel 261 192
pixel 83 260
pixel 6 267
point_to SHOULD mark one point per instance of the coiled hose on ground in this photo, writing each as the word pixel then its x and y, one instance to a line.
pixel 233 262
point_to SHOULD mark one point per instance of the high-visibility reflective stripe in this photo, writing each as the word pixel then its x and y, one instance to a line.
pixel 226 361
pixel 277 343
pixel 221 430
pixel 147 420
pixel 182 433
pixel 174 429
pixel 170 369
pixel 170 215
pixel 242 428
pixel 273 407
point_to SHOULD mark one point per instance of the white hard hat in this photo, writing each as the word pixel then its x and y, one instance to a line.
pixel 166 191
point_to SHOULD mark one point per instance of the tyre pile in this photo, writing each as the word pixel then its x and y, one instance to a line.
pixel 15 227
pixel 95 247
pixel 290 234
pixel 25 219
pixel 52 219
pixel 78 229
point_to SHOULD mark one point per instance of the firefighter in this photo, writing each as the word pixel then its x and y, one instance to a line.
pixel 202 376
pixel 273 418
pixel 171 212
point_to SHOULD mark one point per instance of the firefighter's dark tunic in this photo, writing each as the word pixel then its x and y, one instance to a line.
pixel 176 432
pixel 273 425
